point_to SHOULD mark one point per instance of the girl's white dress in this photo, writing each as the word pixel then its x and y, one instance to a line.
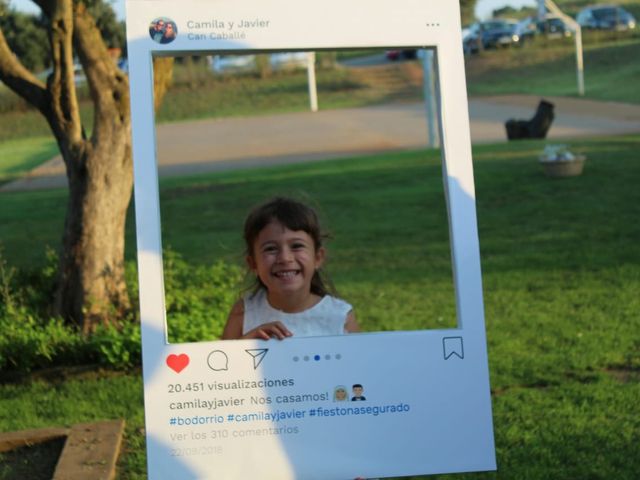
pixel 327 317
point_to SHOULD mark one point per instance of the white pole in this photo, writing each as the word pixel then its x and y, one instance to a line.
pixel 575 26
pixel 579 61
pixel 430 98
pixel 541 10
pixel 311 79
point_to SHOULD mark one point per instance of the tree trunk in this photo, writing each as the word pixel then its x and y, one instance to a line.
pixel 91 284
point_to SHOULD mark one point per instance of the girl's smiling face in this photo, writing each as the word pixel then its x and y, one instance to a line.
pixel 285 261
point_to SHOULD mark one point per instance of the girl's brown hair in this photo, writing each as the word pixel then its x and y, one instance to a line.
pixel 295 216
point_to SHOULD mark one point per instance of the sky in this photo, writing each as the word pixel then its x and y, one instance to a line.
pixel 29 6
pixel 483 7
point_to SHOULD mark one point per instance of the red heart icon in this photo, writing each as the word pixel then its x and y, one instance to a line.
pixel 177 363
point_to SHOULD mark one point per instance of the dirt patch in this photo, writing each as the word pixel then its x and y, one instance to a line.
pixel 624 374
pixel 35 462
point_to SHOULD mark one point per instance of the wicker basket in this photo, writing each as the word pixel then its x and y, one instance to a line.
pixel 569 168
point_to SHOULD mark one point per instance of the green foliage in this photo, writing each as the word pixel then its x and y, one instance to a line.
pixel 27 38
pixel 29 338
pixel 514 13
pixel 28 343
pixel 548 67
pixel 198 297
pixel 116 347
pixel 27 35
pixel 198 300
pixel 467 11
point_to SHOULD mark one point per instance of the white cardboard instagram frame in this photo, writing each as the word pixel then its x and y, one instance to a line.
pixel 252 409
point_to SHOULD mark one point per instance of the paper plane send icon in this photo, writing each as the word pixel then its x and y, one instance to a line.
pixel 258 355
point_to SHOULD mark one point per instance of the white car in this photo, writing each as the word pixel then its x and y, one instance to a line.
pixel 289 61
pixel 247 63
pixel 232 63
pixel 78 74
pixel 606 17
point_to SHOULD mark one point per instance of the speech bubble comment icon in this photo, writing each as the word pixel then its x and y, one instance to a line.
pixel 218 361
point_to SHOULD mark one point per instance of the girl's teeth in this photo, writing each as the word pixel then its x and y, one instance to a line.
pixel 285 274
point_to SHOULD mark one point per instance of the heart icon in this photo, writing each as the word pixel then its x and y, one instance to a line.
pixel 177 363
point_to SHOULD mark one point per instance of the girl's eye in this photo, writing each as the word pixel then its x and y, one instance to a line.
pixel 298 246
pixel 269 249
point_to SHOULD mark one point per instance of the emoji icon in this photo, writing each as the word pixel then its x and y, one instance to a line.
pixel 340 394
pixel 358 391
pixel 177 363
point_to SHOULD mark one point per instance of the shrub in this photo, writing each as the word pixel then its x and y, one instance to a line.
pixel 198 299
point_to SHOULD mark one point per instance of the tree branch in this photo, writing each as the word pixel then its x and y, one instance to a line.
pixel 46 6
pixel 61 82
pixel 106 82
pixel 21 80
pixel 162 77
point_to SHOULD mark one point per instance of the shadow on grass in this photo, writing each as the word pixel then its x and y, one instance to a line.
pixel 36 462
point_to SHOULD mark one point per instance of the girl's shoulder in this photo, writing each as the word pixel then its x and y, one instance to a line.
pixel 336 303
pixel 233 327
pixel 238 308
pixel 253 299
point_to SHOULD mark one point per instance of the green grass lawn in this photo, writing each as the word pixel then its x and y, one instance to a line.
pixel 17 157
pixel 549 68
pixel 546 68
pixel 561 275
pixel 209 96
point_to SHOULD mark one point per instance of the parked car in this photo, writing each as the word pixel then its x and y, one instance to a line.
pixel 232 63
pixel 288 61
pixel 606 17
pixel 526 30
pixel 247 63
pixel 407 53
pixel 551 27
pixel 554 27
pixel 490 34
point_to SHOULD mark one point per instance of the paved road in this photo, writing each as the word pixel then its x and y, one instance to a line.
pixel 222 144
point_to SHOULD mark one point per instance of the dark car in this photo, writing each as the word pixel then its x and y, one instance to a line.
pixel 526 30
pixel 553 27
pixel 606 17
pixel 407 53
pixel 490 34
pixel 550 27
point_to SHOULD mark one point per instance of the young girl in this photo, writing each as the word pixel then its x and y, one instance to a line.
pixel 284 250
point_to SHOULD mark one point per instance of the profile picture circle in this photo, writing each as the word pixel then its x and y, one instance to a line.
pixel 163 30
